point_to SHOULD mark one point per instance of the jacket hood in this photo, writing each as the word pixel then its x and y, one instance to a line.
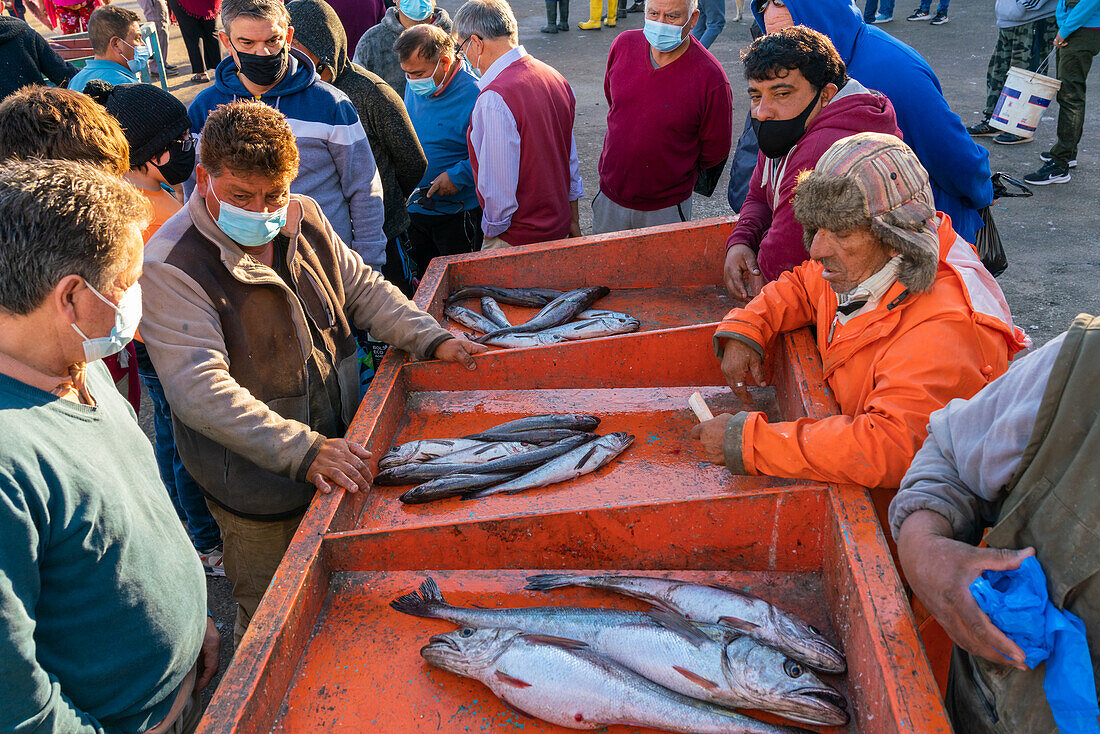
pixel 299 75
pixel 11 28
pixel 439 18
pixel 851 112
pixel 840 20
pixel 318 28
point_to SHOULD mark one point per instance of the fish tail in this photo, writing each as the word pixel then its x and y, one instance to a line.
pixel 548 581
pixel 425 603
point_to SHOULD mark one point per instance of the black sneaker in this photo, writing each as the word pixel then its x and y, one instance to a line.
pixel 1010 139
pixel 1045 157
pixel 1050 173
pixel 982 130
pixel 940 18
pixel 919 14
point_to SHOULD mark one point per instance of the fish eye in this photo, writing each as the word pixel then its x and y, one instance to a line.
pixel 792 669
pixel 466 632
pixel 813 629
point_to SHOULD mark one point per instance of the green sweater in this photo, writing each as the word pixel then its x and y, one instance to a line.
pixel 102 597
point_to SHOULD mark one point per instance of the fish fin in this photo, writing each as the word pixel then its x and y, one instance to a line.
pixel 736 623
pixel 675 623
pixel 511 680
pixel 696 678
pixel 423 603
pixel 734 591
pixel 586 457
pixel 516 710
pixel 547 581
pixel 563 642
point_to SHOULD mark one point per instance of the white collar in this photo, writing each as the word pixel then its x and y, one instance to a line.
pixel 506 60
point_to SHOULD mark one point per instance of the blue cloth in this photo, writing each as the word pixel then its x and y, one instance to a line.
pixel 103 69
pixel 742 166
pixel 712 19
pixel 942 8
pixel 1017 603
pixel 1085 14
pixel 441 121
pixel 958 167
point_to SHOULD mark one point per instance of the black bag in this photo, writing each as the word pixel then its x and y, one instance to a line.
pixel 990 249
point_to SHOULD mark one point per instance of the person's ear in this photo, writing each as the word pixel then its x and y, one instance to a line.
pixel 289 34
pixel 163 158
pixel 63 296
pixel 202 181
pixel 828 92
pixel 224 38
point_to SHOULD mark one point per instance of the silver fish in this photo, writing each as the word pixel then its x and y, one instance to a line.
pixel 706 662
pixel 574 421
pixel 538 435
pixel 451 485
pixel 490 309
pixel 522 341
pixel 599 313
pixel 562 682
pixel 425 449
pixel 576 463
pixel 469 319
pixel 530 297
pixel 558 311
pixel 486 451
pixel 715 604
pixel 594 328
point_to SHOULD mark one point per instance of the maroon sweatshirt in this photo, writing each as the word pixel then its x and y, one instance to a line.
pixel 663 125
pixel 767 222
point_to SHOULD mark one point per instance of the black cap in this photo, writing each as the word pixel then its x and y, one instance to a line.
pixel 150 117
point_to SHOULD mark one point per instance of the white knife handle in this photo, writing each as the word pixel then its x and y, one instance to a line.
pixel 699 406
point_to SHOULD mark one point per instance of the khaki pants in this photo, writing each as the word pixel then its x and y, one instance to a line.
pixel 252 551
pixel 493 243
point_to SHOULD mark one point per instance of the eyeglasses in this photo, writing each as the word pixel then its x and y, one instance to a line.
pixel 760 5
pixel 187 142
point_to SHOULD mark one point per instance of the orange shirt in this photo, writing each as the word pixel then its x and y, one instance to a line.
pixel 164 206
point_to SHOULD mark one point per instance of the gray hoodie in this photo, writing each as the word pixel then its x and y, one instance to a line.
pixel 1012 13
pixel 375 49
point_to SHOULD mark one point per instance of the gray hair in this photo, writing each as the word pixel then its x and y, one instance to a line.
pixel 692 5
pixel 63 218
pixel 486 19
pixel 274 10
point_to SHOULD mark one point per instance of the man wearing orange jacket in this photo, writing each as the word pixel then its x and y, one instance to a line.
pixel 906 319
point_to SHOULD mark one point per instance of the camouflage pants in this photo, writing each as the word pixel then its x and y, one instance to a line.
pixel 1024 46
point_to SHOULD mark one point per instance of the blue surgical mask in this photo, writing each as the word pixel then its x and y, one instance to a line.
pixel 662 36
pixel 424 87
pixel 248 229
pixel 127 316
pixel 416 9
pixel 140 60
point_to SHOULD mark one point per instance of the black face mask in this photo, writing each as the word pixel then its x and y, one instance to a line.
pixel 263 71
pixel 777 137
pixel 180 163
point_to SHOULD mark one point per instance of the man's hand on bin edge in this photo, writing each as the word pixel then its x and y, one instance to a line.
pixel 741 273
pixel 340 464
pixel 712 434
pixel 742 366
pixel 460 349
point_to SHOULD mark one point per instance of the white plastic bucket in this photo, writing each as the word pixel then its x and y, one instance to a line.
pixel 1024 98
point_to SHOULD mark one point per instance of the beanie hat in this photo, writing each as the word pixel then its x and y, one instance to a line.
pixel 150 118
pixel 875 180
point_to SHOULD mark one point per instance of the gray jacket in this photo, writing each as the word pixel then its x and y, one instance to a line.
pixel 375 53
pixel 1012 13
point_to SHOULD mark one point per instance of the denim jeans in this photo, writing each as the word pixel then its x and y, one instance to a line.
pixel 712 19
pixel 925 5
pixel 182 489
pixel 873 7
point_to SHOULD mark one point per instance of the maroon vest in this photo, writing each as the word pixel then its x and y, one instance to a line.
pixel 542 103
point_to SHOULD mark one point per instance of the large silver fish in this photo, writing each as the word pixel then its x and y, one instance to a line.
pixel 599 313
pixel 562 682
pixel 523 341
pixel 421 450
pixel 715 604
pixel 526 426
pixel 469 319
pixel 530 297
pixel 594 328
pixel 487 451
pixel 578 462
pixel 706 662
pixel 490 309
pixel 558 311
pixel 451 485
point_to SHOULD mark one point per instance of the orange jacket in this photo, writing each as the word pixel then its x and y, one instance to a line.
pixel 889 369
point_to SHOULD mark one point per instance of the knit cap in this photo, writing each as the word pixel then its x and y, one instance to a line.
pixel 150 118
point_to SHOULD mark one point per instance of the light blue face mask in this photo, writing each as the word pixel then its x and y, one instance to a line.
pixel 424 87
pixel 416 9
pixel 127 316
pixel 662 36
pixel 248 229
pixel 141 58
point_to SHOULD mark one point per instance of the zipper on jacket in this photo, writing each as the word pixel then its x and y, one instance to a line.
pixel 321 297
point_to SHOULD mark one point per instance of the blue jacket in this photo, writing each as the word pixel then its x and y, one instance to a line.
pixel 441 121
pixel 336 167
pixel 1083 14
pixel 108 71
pixel 958 167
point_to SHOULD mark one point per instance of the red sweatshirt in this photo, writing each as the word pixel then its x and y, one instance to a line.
pixel 767 222
pixel 663 125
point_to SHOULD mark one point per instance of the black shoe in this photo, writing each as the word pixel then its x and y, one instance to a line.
pixel 551 17
pixel 1010 139
pixel 1046 158
pixel 549 28
pixel 940 18
pixel 638 7
pixel 563 27
pixel 982 130
pixel 919 14
pixel 1050 173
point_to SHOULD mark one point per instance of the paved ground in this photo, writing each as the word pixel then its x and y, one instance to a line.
pixel 1051 238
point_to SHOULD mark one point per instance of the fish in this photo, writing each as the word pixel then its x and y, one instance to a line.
pixel 599 313
pixel 558 311
pixel 562 682
pixel 530 297
pixel 708 662
pixel 523 341
pixel 485 451
pixel 760 620
pixel 573 421
pixel 539 435
pixel 578 462
pixel 490 309
pixel 421 450
pixel 451 485
pixel 415 473
pixel 469 319
pixel 593 328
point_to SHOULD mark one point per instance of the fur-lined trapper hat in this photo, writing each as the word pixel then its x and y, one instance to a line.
pixel 875 180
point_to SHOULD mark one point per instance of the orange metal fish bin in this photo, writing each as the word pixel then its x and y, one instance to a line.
pixel 326 653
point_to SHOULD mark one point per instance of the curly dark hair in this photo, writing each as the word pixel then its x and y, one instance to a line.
pixel 249 138
pixel 777 54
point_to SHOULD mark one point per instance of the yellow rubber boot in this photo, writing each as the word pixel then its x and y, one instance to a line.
pixel 612 11
pixel 593 23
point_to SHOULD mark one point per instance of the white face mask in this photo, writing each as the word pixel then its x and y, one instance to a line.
pixel 127 316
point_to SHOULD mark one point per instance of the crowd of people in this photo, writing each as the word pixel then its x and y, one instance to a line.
pixel 269 236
